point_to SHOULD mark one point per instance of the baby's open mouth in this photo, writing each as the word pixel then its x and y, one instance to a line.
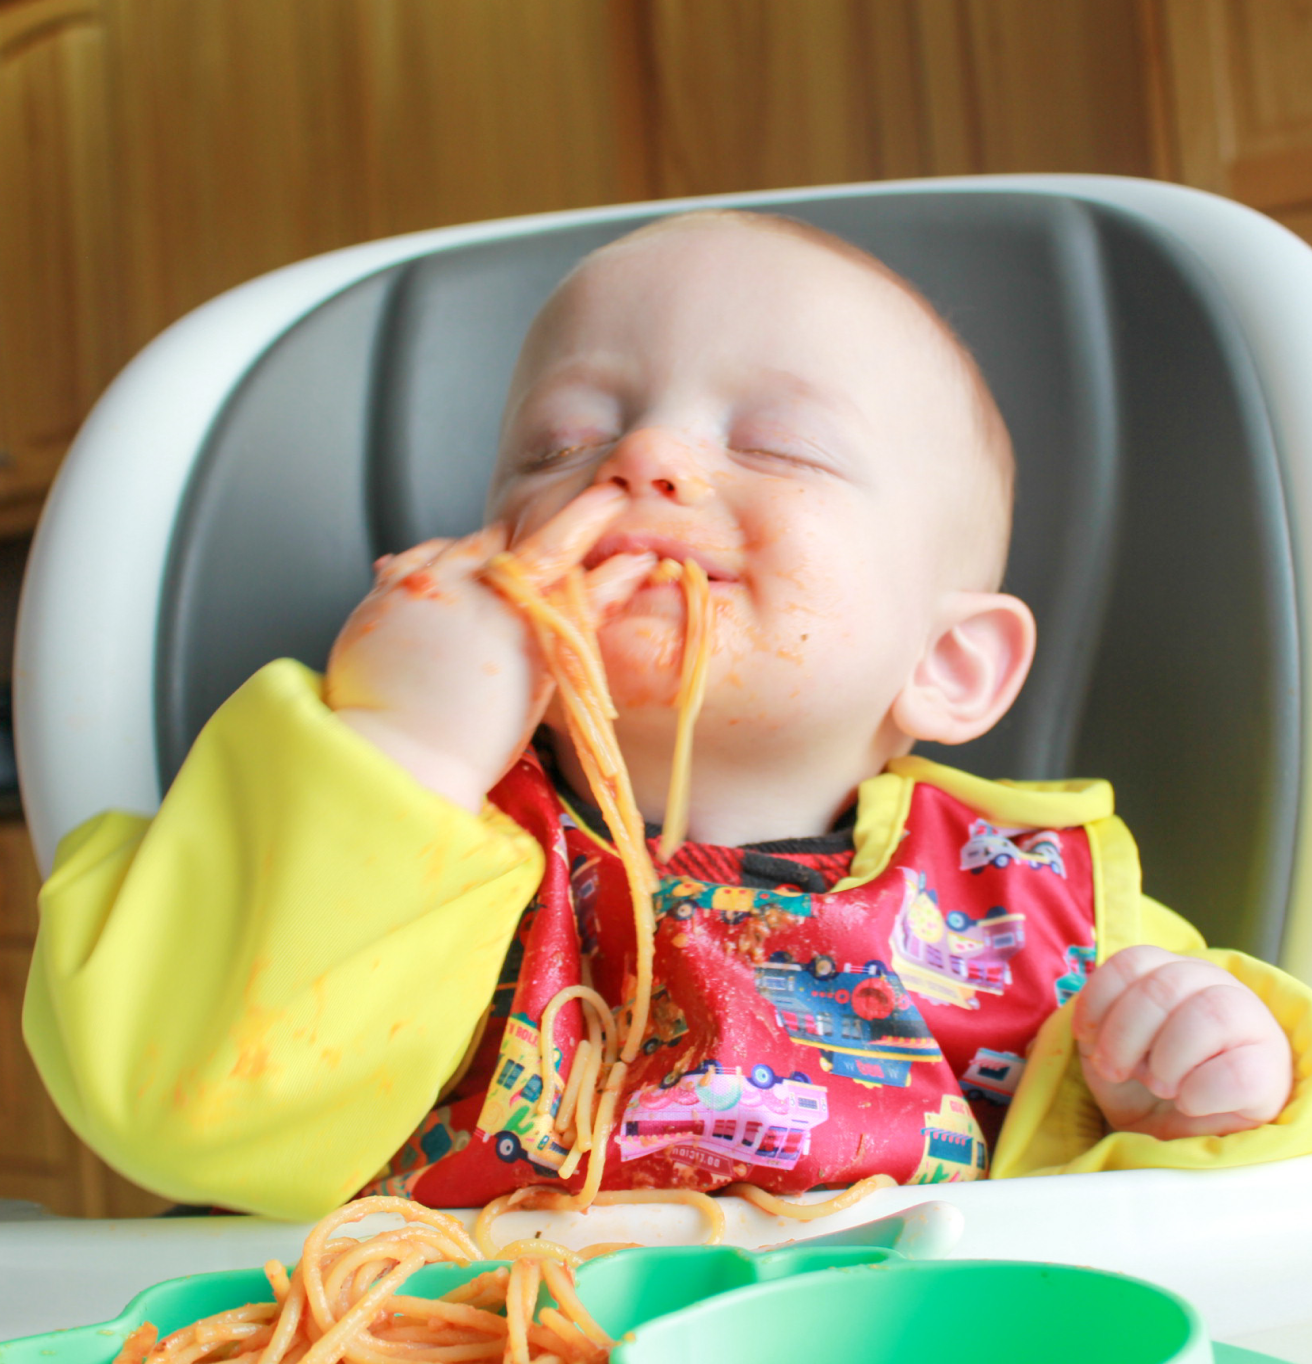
pixel 664 547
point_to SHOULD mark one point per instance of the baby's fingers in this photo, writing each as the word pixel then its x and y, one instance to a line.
pixel 1223 1017
pixel 1250 1081
pixel 1118 1043
pixel 422 565
pixel 552 550
pixel 612 583
pixel 473 551
pixel 1109 982
pixel 390 568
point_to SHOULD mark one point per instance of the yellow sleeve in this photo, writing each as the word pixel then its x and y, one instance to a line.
pixel 253 999
pixel 1055 1127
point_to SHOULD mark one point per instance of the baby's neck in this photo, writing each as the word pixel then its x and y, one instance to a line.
pixel 752 793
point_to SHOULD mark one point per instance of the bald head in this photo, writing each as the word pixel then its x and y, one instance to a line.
pixel 725 299
pixel 984 477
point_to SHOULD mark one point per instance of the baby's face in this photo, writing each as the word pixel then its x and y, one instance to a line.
pixel 783 416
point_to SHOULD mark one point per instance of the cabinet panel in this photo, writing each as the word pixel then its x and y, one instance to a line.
pixel 1236 80
pixel 485 108
pixel 19 883
pixel 239 144
pixel 750 94
pixel 59 339
pixel 1059 86
pixel 255 134
pixel 1271 65
pixel 33 1139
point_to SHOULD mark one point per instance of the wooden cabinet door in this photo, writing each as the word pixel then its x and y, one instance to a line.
pixel 58 325
pixel 1235 91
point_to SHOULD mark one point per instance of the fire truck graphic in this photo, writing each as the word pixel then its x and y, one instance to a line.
pixel 949 958
pixel 510 1117
pixel 716 1117
pixel 1079 962
pixel 860 1018
pixel 988 846
pixel 681 898
pixel 992 1075
pixel 954 1149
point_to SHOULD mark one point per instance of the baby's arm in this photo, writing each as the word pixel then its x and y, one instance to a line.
pixel 253 998
pixel 1174 1046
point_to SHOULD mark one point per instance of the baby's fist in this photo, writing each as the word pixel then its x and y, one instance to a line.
pixel 1175 1046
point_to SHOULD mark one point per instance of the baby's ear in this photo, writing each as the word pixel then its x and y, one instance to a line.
pixel 971 671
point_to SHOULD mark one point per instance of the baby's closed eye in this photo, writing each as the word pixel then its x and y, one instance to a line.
pixel 564 453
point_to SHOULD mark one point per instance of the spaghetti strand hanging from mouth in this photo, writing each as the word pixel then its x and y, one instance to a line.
pixel 562 626
pixel 693 672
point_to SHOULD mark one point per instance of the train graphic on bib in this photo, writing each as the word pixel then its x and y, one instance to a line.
pixel 725 1119
pixel 859 1018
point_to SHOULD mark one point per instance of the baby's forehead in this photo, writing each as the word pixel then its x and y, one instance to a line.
pixel 688 253
pixel 740 290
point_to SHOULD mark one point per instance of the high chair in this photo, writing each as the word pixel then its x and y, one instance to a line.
pixel 1146 344
pixel 1149 348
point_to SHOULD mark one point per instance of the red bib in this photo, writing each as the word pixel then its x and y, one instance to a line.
pixel 795 1039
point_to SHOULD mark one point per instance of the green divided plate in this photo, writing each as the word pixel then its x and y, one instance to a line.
pixel 821 1304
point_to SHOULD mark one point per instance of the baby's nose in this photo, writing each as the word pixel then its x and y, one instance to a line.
pixel 656 463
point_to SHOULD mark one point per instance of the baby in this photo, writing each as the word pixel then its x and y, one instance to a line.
pixel 856 948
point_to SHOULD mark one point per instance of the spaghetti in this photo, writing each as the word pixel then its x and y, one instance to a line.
pixel 692 692
pixel 562 625
pixel 585 1116
pixel 343 1302
pixel 808 1212
pixel 568 643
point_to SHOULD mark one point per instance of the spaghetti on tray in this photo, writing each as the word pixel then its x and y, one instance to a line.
pixel 345 1301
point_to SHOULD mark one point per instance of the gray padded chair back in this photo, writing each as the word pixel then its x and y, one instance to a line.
pixel 1151 537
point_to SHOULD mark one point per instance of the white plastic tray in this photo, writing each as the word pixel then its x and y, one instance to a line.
pixel 1237 1243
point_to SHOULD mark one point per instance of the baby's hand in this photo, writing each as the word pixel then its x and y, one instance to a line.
pixel 439 672
pixel 1176 1047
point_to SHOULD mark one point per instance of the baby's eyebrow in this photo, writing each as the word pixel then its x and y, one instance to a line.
pixel 792 385
pixel 589 371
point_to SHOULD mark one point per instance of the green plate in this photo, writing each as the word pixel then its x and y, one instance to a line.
pixel 623 1291
pixel 822 1304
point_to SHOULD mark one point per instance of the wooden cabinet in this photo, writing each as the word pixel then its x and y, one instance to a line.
pixel 40 1159
pixel 754 94
pixel 1234 87
pixel 59 338
pixel 154 153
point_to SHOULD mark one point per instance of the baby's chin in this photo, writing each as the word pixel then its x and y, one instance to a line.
pixel 643 658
